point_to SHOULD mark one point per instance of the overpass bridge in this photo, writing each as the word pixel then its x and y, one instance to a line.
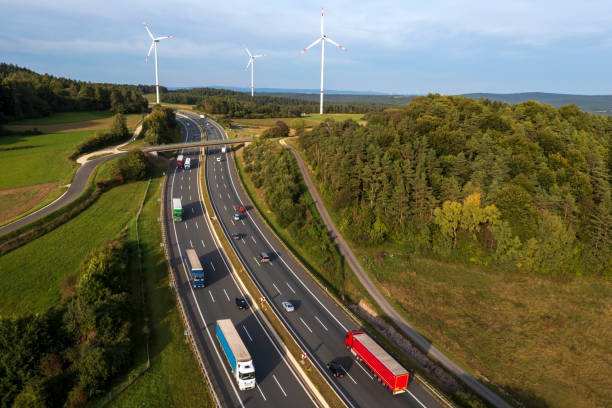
pixel 205 143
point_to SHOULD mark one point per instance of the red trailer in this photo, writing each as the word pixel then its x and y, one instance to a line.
pixel 241 208
pixel 386 369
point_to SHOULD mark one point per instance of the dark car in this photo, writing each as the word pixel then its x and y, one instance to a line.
pixel 236 236
pixel 336 369
pixel 242 303
pixel 264 257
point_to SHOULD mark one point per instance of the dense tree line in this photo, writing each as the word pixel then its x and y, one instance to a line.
pixel 275 170
pixel 67 355
pixel 241 105
pixel 118 133
pixel 527 186
pixel 26 94
pixel 160 126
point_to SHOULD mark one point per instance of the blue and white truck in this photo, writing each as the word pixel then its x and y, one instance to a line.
pixel 237 354
pixel 187 163
pixel 195 269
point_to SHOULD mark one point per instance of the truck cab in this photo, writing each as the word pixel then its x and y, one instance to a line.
pixel 187 163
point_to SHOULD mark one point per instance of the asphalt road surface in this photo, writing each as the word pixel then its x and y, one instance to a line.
pixel 277 383
pixel 317 323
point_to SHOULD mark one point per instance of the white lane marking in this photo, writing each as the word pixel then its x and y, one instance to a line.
pixel 279 292
pixel 286 265
pixel 364 370
pixel 185 225
pixel 220 196
pixel 279 386
pixel 192 210
pixel 228 196
pixel 229 269
pixel 191 243
pixel 225 207
pixel 417 400
pixel 233 223
pixel 253 238
pixel 226 295
pixel 242 221
pixel 256 260
pixel 247 332
pixel 347 373
pixel 322 325
pixel 215 176
pixel 197 225
pixel 190 186
pixel 262 394
pixel 203 244
pixel 213 266
pixel 217 186
pixel 181 186
pixel 189 197
pixel 211 296
pixel 290 287
pixel 305 325
pixel 222 177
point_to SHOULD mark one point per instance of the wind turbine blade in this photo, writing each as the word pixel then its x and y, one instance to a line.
pixel 247 50
pixel 249 63
pixel 322 32
pixel 164 38
pixel 335 43
pixel 148 31
pixel 311 45
pixel 259 55
pixel 149 53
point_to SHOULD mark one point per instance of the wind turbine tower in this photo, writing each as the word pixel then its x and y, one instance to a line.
pixel 322 40
pixel 154 42
pixel 252 64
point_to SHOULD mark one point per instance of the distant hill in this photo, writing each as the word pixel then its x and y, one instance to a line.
pixel 591 103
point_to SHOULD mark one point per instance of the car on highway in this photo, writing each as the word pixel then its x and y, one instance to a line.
pixel 288 306
pixel 236 236
pixel 236 217
pixel 218 159
pixel 264 257
pixel 336 369
pixel 242 303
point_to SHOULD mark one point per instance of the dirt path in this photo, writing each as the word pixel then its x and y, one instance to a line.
pixel 373 290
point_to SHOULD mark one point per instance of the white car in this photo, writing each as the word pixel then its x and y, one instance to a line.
pixel 288 306
pixel 236 217
pixel 218 159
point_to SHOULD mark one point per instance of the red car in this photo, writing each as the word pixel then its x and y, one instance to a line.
pixel 241 209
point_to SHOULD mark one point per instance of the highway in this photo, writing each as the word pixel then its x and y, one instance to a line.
pixel 277 383
pixel 318 324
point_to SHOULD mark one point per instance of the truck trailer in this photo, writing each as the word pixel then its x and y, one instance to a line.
pixel 386 369
pixel 187 163
pixel 236 353
pixel 195 269
pixel 180 160
pixel 177 210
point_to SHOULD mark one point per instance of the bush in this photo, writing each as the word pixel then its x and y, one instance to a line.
pixel 131 166
pixel 280 130
pixel 160 126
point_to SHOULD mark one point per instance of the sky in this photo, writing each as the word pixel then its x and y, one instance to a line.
pixel 395 46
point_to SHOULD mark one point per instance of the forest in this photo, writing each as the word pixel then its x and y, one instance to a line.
pixel 235 104
pixel 26 94
pixel 524 186
pixel 160 126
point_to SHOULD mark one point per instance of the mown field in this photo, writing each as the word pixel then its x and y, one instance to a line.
pixel 32 275
pixel 72 122
pixel 310 120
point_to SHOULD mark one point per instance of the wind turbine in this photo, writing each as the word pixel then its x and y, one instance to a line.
pixel 322 40
pixel 154 45
pixel 252 64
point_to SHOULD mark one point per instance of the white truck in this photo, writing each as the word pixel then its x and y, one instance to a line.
pixel 236 353
pixel 187 163
pixel 223 149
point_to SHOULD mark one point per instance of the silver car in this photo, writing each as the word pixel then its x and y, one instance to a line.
pixel 288 306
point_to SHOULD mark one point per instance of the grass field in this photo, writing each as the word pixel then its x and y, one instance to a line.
pixel 174 379
pixel 15 201
pixel 31 274
pixel 38 159
pixel 311 120
pixel 546 341
pixel 73 122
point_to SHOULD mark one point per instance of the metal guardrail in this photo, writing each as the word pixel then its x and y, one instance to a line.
pixel 212 385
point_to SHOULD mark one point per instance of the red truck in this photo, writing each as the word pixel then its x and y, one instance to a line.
pixel 386 369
